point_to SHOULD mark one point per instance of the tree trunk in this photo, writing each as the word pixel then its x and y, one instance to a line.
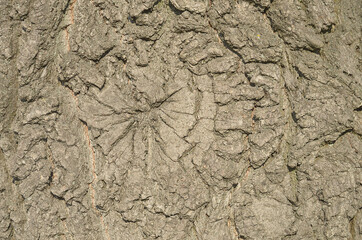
pixel 180 119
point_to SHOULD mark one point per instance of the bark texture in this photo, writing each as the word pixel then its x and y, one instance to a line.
pixel 180 119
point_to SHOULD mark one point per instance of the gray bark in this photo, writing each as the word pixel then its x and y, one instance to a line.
pixel 180 119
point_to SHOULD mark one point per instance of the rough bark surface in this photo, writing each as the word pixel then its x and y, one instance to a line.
pixel 180 119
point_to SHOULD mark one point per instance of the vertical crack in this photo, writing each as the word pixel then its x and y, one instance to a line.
pixel 91 188
pixel 93 170
pixel 71 9
pixel 71 14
